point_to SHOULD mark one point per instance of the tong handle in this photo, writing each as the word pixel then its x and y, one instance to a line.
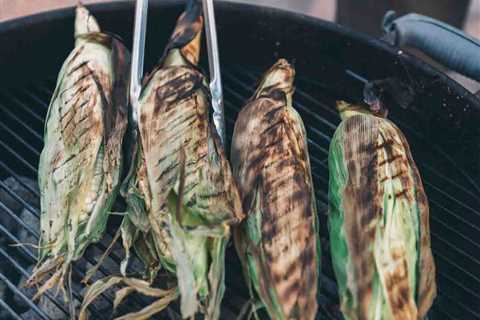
pixel 214 67
pixel 138 54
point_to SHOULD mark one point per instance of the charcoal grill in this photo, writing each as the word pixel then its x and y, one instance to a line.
pixel 442 126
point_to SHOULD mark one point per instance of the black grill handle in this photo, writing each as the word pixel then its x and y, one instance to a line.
pixel 440 41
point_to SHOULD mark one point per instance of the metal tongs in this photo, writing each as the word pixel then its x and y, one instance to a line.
pixel 138 54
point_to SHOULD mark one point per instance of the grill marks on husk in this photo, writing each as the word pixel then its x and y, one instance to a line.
pixel 174 119
pixel 79 165
pixel 174 116
pixel 426 283
pixel 379 164
pixel 394 166
pixel 274 167
pixel 361 205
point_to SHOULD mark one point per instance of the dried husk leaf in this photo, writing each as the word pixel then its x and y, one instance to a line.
pixel 132 285
pixel 278 242
pixel 378 220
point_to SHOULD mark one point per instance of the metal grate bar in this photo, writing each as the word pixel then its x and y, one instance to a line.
pixel 19 221
pixel 16 177
pixel 19 158
pixel 460 203
pixel 446 226
pixel 16 136
pixel 29 208
pixel 36 99
pixel 23 124
pixel 459 218
pixel 23 106
pixel 459 303
pixel 447 179
pixel 5 306
pixel 25 273
pixel 35 308
pixel 449 261
pixel 445 312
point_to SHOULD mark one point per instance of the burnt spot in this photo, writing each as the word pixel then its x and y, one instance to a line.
pixel 294 265
pixel 247 201
pixel 302 195
pixel 167 170
pixel 256 161
pixel 399 174
pixel 77 94
pixel 308 257
pixel 175 90
pixel 272 114
pixel 101 38
pixel 365 197
pixel 76 55
pixel 384 144
pixel 401 194
pixel 189 24
pixel 272 127
pixel 389 160
pixel 77 67
pixel 290 291
pixel 269 230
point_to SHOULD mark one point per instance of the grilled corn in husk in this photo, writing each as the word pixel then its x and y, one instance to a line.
pixel 80 164
pixel 378 219
pixel 181 196
pixel 278 242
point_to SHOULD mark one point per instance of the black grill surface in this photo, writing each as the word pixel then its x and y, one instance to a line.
pixel 452 193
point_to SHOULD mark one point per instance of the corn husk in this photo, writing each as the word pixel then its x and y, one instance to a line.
pixel 80 164
pixel 182 181
pixel 378 219
pixel 278 242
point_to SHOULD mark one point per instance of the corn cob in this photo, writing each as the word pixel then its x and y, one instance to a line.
pixel 80 164
pixel 278 242
pixel 378 219
pixel 182 178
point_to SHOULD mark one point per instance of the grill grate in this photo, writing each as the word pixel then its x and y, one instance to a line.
pixel 453 197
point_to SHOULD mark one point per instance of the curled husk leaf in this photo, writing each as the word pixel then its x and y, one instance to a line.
pixel 278 242
pixel 378 219
pixel 81 162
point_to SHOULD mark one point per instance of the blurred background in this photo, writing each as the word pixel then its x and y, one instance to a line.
pixel 363 15
pixel 360 15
